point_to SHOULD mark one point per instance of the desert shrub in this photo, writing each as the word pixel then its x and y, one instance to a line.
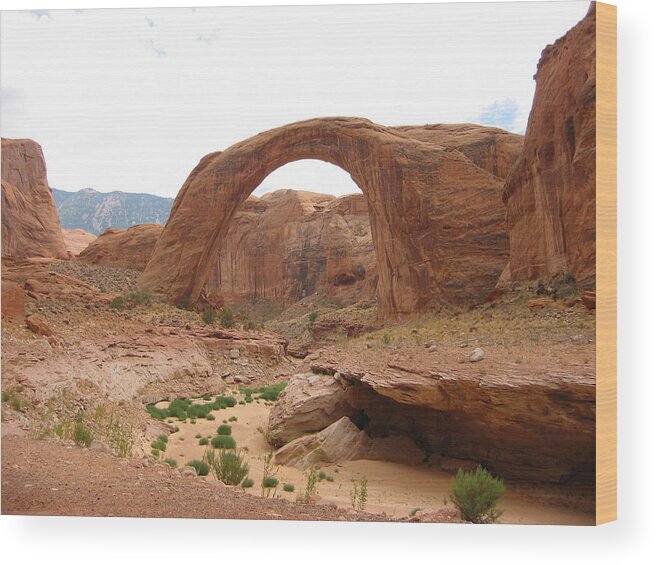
pixel 198 436
pixel 476 494
pixel 13 397
pixel 224 430
pixel 564 286
pixel 227 318
pixel 171 463
pixel 229 466
pixel 206 396
pixel 269 479
pixel 203 441
pixel 269 482
pixel 163 437
pixel 157 413
pixel 387 339
pixel 288 487
pixel 268 393
pixel 202 468
pixel 311 483
pixel 414 511
pixel 159 445
pixel 82 434
pixel 209 316
pixel 322 476
pixel 199 410
pixel 224 442
pixel 250 325
pixel 131 299
pixel 117 303
pixel 221 402
pixel 247 483
pixel 330 478
pixel 359 494
pixel 232 419
pixel 313 316
pixel 210 417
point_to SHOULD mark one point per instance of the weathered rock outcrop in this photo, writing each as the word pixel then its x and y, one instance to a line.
pixel 550 194
pixel 13 301
pixel 535 428
pixel 77 240
pixel 290 244
pixel 30 224
pixel 436 217
pixel 129 248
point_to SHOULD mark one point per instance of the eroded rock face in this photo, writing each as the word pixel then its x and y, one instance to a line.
pixel 77 240
pixel 13 301
pixel 436 217
pixel 290 244
pixel 30 224
pixel 531 428
pixel 550 194
pixel 129 248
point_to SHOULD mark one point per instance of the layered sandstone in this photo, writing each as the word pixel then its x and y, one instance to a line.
pixel 77 240
pixel 533 428
pixel 129 248
pixel 436 217
pixel 290 244
pixel 30 224
pixel 550 194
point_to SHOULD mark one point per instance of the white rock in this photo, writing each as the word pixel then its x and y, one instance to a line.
pixel 477 355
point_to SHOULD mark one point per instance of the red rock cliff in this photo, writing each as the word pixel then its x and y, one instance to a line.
pixel 550 194
pixel 30 223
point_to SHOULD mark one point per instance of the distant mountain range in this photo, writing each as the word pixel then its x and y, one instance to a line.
pixel 95 211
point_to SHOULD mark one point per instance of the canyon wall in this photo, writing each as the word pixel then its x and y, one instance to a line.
pixel 30 224
pixel 550 194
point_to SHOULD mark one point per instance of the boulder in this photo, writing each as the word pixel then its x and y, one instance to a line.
pixel 477 355
pixel 13 301
pixel 589 300
pixel 550 193
pixel 309 403
pixel 341 441
pixel 30 224
pixel 38 325
pixel 539 303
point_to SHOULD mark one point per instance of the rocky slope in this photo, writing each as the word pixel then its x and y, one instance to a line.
pixel 550 194
pixel 436 216
pixel 77 240
pixel 95 211
pixel 124 248
pixel 30 225
pixel 290 244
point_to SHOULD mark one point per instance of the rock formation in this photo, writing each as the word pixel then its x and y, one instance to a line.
pixel 436 217
pixel 13 301
pixel 532 428
pixel 290 244
pixel 77 240
pixel 550 194
pixel 129 248
pixel 30 225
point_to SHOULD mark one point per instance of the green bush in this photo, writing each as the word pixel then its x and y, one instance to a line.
pixel 159 445
pixel 203 441
pixel 209 316
pixel 210 417
pixel 232 419
pixel 476 494
pixel 322 476
pixel 247 483
pixel 82 434
pixel 224 442
pixel 224 430
pixel 229 466
pixel 171 463
pixel 227 318
pixel 313 316
pixel 288 487
pixel 269 482
pixel 221 402
pixel 202 468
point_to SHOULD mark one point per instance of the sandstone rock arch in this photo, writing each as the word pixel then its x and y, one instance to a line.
pixel 436 216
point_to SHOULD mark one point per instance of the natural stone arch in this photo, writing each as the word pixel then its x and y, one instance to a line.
pixel 436 217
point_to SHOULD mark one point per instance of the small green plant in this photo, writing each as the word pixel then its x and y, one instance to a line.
pixel 209 316
pixel 226 317
pixel 202 468
pixel 387 339
pixel 82 434
pixel 13 397
pixel 224 442
pixel 476 494
pixel 232 419
pixel 311 486
pixel 313 316
pixel 322 476
pixel 211 417
pixel 159 445
pixel 171 463
pixel 247 483
pixel 229 466
pixel 330 478
pixel 269 479
pixel 203 441
pixel 224 430
pixel 359 494
pixel 288 487
pixel 414 511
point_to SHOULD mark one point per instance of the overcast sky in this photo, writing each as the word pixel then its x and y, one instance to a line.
pixel 131 99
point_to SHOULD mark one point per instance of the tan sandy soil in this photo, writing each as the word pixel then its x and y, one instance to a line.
pixel 48 478
pixel 393 488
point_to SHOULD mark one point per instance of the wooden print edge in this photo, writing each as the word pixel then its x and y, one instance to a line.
pixel 606 234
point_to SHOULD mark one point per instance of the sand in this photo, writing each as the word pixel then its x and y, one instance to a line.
pixel 393 488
